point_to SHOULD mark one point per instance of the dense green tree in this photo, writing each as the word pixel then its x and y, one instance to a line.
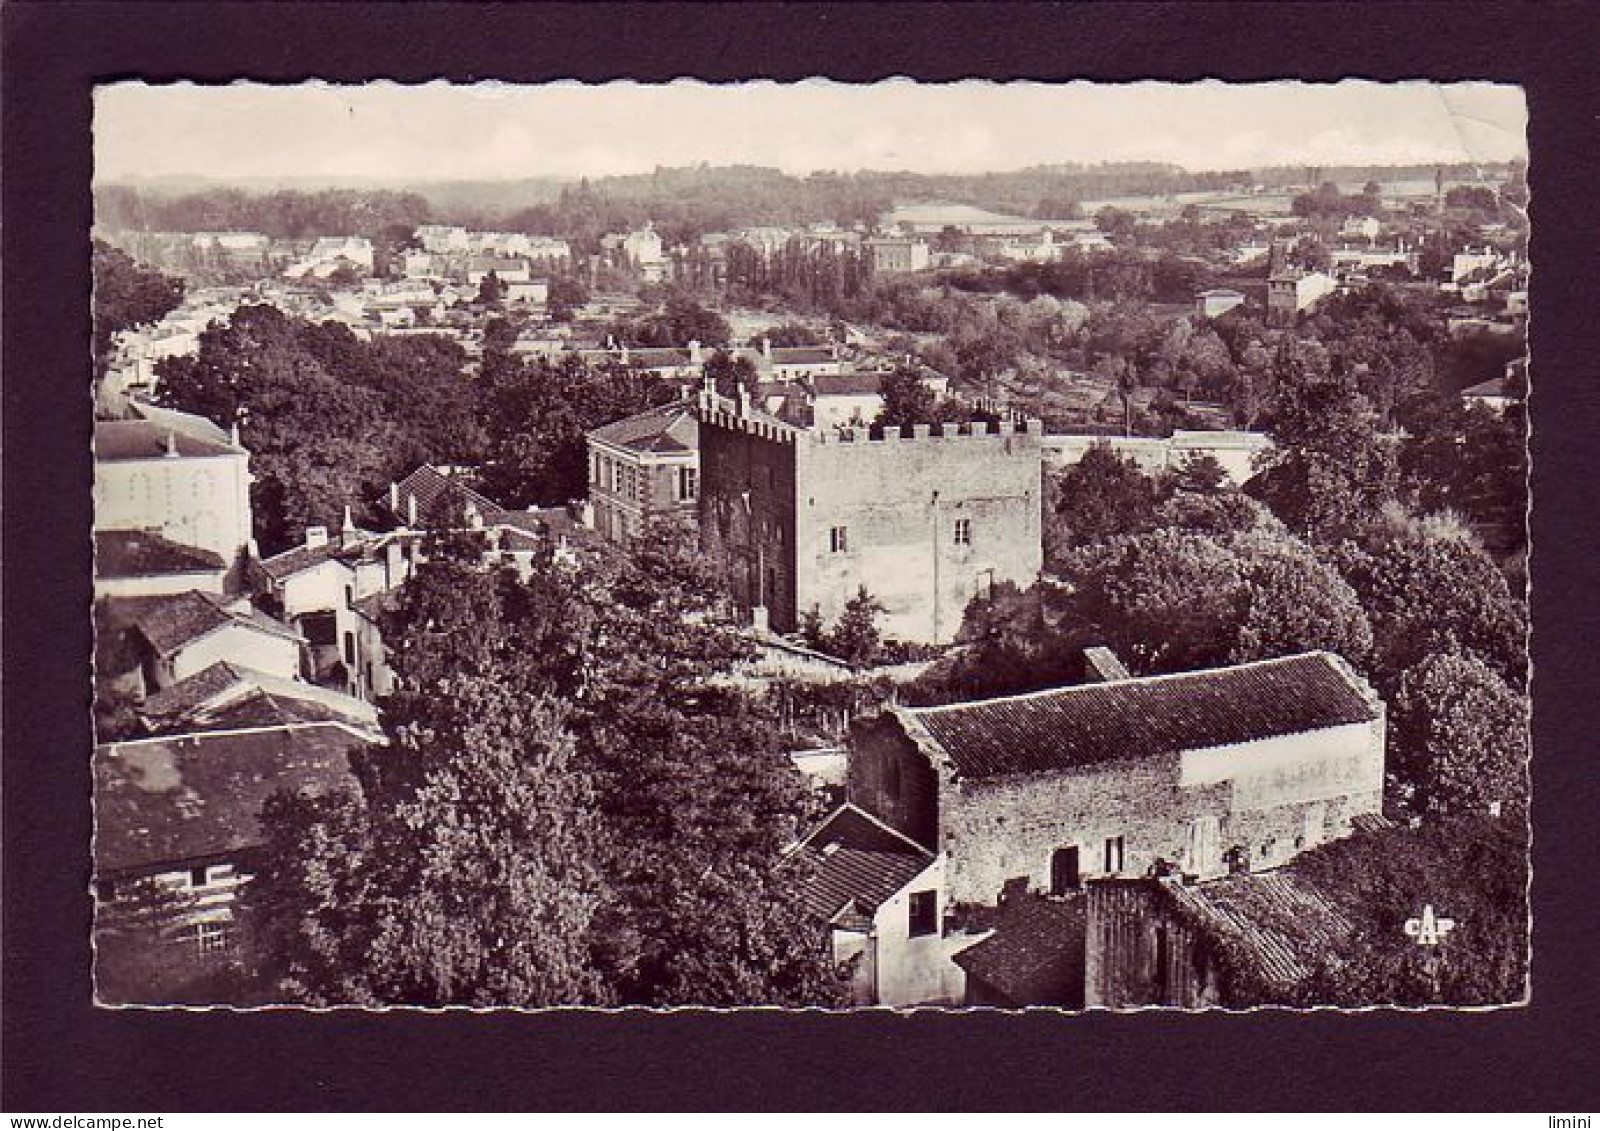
pixel 856 637
pixel 126 295
pixel 566 296
pixel 680 320
pixel 1459 737
pixel 476 880
pixel 1430 592
pixel 1330 469
pixel 491 291
pixel 657 802
pixel 1470 460
pixel 1292 602
pixel 1473 871
pixel 318 442
pixel 328 419
pixel 535 417
pixel 1013 642
pixel 1101 495
pixel 1200 473
pixel 789 334
pixel 1162 601
pixel 730 373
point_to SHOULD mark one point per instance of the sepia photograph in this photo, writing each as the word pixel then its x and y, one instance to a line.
pixel 814 545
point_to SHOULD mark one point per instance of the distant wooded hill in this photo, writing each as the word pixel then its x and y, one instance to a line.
pixel 683 202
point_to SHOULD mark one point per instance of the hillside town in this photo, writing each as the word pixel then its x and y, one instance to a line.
pixel 1092 588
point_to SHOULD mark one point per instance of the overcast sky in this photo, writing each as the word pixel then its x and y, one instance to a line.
pixel 489 131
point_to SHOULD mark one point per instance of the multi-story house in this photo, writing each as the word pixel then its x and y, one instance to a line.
pixel 644 466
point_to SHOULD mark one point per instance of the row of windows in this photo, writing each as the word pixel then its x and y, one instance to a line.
pixel 633 484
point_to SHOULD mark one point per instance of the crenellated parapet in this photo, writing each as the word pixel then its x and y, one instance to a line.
pixel 919 433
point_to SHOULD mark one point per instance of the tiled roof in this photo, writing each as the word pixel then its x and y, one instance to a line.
pixel 1137 718
pixel 1036 955
pixel 802 355
pixel 227 696
pixel 846 384
pixel 1271 921
pixel 340 545
pixel 144 553
pixel 667 428
pixel 168 623
pixel 189 797
pixel 374 605
pixel 859 861
pixel 434 489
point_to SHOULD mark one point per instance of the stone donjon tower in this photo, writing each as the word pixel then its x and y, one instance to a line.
pixel 925 518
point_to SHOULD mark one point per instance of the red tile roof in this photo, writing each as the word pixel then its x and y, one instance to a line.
pixel 1035 956
pixel 168 623
pixel 1273 922
pixel 144 553
pixel 860 862
pixel 189 797
pixel 439 496
pixel 229 696
pixel 666 429
pixel 802 355
pixel 846 384
pixel 1048 731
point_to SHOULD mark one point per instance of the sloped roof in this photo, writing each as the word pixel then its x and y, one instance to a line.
pixel 374 605
pixel 168 623
pixel 433 489
pixel 860 862
pixel 227 695
pixel 1047 731
pixel 144 553
pixel 1493 387
pixel 341 546
pixel 189 797
pixel 1035 956
pixel 846 384
pixel 667 428
pixel 185 423
pixel 802 355
pixel 145 439
pixel 1270 921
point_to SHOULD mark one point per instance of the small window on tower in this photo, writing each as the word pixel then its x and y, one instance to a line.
pixel 1113 855
pixel 839 540
pixel 963 532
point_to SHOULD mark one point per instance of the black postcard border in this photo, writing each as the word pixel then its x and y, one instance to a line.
pixel 61 1055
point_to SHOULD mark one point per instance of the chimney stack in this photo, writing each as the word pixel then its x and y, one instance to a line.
pixel 316 537
pixel 411 511
pixel 766 348
pixel 172 443
pixel 394 499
